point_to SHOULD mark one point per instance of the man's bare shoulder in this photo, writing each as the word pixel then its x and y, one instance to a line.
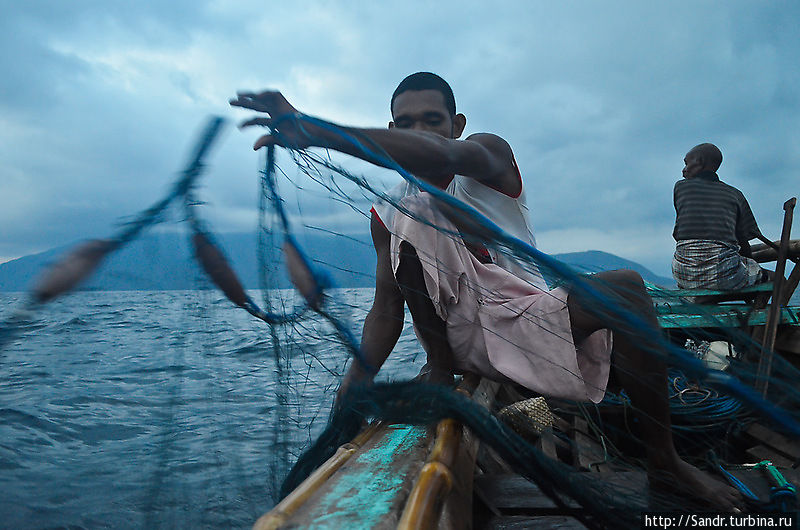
pixel 506 178
pixel 490 141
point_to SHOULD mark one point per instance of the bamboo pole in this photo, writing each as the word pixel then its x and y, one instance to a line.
pixel 435 480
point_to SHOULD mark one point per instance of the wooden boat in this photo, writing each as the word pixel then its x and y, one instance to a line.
pixel 404 476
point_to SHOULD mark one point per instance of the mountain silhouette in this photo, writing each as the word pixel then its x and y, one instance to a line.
pixel 164 262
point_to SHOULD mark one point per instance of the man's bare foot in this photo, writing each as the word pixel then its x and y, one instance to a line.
pixel 677 477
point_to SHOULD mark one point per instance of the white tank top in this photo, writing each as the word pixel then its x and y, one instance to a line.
pixel 509 213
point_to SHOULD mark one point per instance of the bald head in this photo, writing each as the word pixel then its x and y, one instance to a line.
pixel 703 157
pixel 708 154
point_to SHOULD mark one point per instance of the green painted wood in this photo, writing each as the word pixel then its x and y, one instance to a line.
pixel 720 316
pixel 663 308
pixel 370 490
pixel 675 312
pixel 658 292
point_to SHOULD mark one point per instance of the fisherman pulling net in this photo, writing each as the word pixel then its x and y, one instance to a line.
pixel 477 294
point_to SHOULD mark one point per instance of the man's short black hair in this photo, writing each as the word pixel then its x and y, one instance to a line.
pixel 426 81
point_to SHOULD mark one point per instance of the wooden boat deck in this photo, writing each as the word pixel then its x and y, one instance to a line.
pixel 505 500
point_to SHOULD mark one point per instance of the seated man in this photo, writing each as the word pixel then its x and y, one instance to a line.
pixel 713 228
pixel 496 322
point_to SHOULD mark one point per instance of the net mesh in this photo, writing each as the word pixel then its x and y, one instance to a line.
pixel 310 335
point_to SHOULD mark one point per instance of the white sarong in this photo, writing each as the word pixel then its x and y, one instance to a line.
pixel 498 325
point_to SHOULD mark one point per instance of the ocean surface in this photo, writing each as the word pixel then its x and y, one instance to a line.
pixel 145 409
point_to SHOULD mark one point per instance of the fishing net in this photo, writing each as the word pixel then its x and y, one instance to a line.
pixel 715 388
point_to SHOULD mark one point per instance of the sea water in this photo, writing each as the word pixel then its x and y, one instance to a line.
pixel 159 409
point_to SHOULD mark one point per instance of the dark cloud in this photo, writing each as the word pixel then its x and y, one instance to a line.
pixel 600 101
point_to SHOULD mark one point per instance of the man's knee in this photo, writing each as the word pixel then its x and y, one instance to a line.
pixel 622 277
pixel 628 287
pixel 627 283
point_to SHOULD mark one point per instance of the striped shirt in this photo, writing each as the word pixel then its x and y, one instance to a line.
pixel 707 208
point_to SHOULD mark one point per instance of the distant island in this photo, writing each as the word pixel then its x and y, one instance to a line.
pixel 164 261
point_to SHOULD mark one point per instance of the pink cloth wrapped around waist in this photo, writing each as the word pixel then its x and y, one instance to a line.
pixel 498 325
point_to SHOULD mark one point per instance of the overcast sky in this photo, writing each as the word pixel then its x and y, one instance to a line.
pixel 101 101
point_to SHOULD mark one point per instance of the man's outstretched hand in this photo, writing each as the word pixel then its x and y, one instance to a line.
pixel 287 132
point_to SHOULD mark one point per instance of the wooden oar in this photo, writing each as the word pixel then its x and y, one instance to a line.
pixel 765 362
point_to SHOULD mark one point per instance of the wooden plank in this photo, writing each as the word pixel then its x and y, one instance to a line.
pixel 759 453
pixel 547 444
pixel 791 474
pixel 490 462
pixel 759 482
pixel 509 491
pixel 788 339
pixel 754 479
pixel 632 480
pixel 588 454
pixel 788 448
pixel 510 393
pixel 723 316
pixel 516 522
pixel 483 502
pixel 457 508
pixel 658 292
pixel 791 285
pixel 664 308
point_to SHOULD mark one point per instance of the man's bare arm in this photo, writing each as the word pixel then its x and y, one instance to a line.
pixel 484 157
pixel 744 249
pixel 384 322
